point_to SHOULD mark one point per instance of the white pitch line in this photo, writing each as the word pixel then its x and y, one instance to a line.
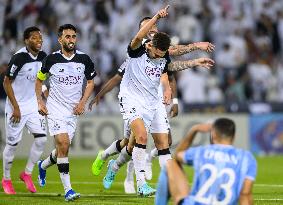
pixel 83 195
pixel 76 182
pixel 268 199
pixel 110 195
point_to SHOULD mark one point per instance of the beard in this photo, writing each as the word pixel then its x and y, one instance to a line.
pixel 68 48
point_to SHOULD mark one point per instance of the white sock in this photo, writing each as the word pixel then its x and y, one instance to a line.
pixel 122 159
pixel 153 153
pixel 35 153
pixel 113 149
pixel 50 160
pixel 8 157
pixel 63 167
pixel 163 156
pixel 130 171
pixel 139 159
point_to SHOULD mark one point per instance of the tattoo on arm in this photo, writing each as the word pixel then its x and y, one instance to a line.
pixel 181 65
pixel 178 50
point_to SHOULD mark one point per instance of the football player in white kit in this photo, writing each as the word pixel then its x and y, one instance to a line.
pixel 139 91
pixel 21 108
pixel 67 69
pixel 159 127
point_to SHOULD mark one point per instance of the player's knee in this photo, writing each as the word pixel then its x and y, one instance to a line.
pixel 161 144
pixel 141 138
pixel 63 144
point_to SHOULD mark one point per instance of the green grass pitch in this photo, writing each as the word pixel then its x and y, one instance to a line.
pixel 268 188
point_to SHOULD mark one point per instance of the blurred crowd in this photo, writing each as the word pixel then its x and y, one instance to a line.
pixel 248 35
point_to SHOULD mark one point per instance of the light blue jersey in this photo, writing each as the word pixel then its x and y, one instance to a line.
pixel 219 173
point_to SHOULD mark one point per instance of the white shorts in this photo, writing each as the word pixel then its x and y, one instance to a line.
pixel 160 122
pixel 58 125
pixel 131 110
pixel 34 122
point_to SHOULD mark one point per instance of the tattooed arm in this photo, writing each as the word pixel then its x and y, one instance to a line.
pixel 178 50
pixel 182 65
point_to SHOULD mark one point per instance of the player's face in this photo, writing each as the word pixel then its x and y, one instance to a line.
pixel 155 52
pixel 34 42
pixel 152 31
pixel 68 40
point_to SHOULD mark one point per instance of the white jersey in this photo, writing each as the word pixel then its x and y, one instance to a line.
pixel 121 72
pixel 66 77
pixel 22 69
pixel 142 77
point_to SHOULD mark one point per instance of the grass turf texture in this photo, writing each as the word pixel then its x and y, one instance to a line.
pixel 268 188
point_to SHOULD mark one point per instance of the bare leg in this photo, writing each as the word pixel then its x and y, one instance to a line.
pixel 178 184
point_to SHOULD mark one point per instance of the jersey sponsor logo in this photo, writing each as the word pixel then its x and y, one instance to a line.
pixel 31 77
pixel 153 71
pixel 61 70
pixel 71 80
pixel 13 69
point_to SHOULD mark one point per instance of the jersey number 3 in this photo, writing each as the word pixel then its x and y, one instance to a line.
pixel 201 195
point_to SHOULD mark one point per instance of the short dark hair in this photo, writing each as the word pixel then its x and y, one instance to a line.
pixel 161 41
pixel 28 31
pixel 143 19
pixel 225 127
pixel 65 27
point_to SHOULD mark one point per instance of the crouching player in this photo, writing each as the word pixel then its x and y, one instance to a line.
pixel 223 174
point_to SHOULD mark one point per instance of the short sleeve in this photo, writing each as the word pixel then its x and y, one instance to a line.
pixel 123 67
pixel 190 155
pixel 137 52
pixel 14 66
pixel 252 167
pixel 46 64
pixel 168 60
pixel 90 72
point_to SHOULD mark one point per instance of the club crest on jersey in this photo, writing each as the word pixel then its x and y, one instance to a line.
pixel 153 71
pixel 13 69
pixel 79 69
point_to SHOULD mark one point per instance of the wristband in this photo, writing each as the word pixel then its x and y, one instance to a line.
pixel 175 101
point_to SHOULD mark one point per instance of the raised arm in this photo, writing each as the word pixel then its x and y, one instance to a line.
pixel 182 65
pixel 137 40
pixel 178 50
pixel 188 140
